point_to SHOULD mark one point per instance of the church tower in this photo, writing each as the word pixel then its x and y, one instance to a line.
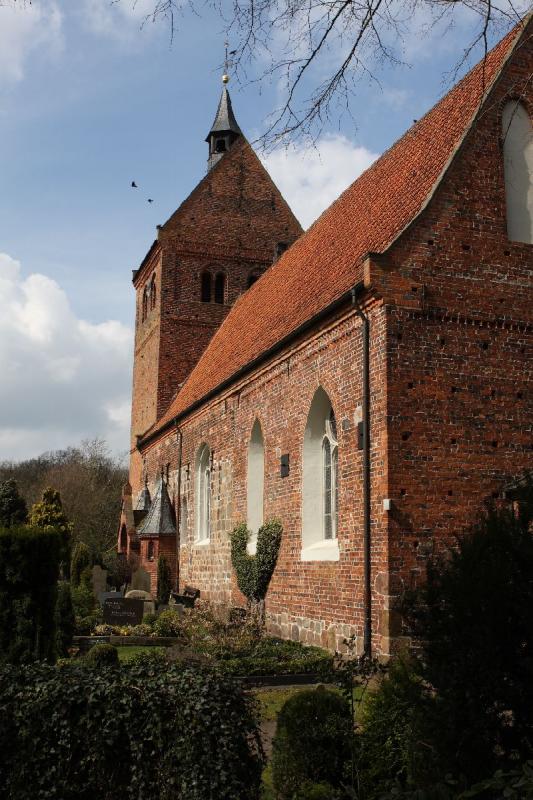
pixel 226 233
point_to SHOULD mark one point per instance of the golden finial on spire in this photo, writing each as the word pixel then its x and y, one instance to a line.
pixel 225 76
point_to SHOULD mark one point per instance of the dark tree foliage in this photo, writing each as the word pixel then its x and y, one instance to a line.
pixel 145 730
pixel 64 619
pixel 81 559
pixel 90 482
pixel 13 509
pixel 29 570
pixel 312 741
pixel 475 618
pixel 164 580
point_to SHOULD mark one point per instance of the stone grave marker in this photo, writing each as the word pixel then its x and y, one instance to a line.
pixel 123 611
pixel 140 580
pixel 99 580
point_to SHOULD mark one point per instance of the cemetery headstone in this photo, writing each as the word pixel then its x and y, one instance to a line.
pixel 140 580
pixel 123 611
pixel 99 580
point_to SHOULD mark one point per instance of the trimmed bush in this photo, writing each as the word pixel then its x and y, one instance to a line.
pixel 29 570
pixel 254 572
pixel 48 512
pixel 64 619
pixel 158 732
pixel 164 580
pixel 102 655
pixel 312 741
pixel 316 791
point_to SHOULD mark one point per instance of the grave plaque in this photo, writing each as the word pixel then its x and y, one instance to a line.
pixel 123 611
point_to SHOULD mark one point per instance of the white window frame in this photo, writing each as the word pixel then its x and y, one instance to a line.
pixel 203 495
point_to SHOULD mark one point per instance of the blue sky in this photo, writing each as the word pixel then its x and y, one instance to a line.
pixel 91 100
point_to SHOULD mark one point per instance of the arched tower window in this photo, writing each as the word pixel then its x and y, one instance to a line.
pixel 518 168
pixel 184 520
pixel 220 287
pixel 123 539
pixel 255 483
pixel 203 494
pixel 205 287
pixel 144 312
pixel 150 550
pixel 320 482
pixel 252 277
pixel 153 293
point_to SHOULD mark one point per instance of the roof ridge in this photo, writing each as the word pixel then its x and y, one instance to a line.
pixel 368 216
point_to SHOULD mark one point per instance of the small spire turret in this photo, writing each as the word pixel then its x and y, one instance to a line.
pixel 225 129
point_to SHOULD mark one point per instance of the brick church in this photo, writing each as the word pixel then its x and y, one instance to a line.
pixel 367 382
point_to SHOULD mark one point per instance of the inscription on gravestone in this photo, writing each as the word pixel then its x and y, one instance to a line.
pixel 123 611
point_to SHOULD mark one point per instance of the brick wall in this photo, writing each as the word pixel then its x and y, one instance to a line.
pixel 450 312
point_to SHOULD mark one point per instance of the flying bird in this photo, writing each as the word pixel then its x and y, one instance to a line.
pixel 150 200
pixel 134 185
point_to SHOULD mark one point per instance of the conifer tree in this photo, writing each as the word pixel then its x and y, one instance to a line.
pixel 13 509
pixel 81 559
pixel 48 513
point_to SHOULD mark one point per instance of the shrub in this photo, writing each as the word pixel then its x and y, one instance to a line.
pixel 13 509
pixel 164 580
pixel 389 750
pixel 475 617
pixel 164 733
pixel 149 619
pixel 168 623
pixel 312 741
pixel 48 513
pixel 316 791
pixel 29 570
pixel 102 655
pixel 254 572
pixel 64 619
pixel 81 559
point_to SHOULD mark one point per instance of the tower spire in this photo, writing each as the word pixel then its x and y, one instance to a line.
pixel 225 129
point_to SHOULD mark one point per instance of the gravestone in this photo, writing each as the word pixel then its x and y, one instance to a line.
pixel 123 611
pixel 103 596
pixel 141 580
pixel 146 597
pixel 99 580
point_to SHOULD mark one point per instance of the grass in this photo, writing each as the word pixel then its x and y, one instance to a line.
pixel 127 652
pixel 272 700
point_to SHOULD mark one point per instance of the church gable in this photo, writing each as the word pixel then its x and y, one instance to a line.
pixel 236 208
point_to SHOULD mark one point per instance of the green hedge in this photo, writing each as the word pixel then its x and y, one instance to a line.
pixel 142 731
pixel 29 570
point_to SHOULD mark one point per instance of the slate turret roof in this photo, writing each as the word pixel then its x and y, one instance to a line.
pixel 225 118
pixel 160 518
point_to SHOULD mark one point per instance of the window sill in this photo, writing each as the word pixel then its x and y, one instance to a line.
pixel 202 542
pixel 324 550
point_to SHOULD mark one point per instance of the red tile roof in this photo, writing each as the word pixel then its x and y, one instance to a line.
pixel 327 260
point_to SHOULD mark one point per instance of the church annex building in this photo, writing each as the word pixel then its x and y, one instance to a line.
pixel 367 382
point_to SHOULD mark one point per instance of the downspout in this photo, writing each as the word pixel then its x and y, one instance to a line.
pixel 367 625
pixel 178 510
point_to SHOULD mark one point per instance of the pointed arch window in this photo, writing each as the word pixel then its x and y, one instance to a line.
pixel 220 287
pixel 153 293
pixel 255 484
pixel 144 311
pixel 320 482
pixel 184 520
pixel 253 277
pixel 203 494
pixel 205 287
pixel 518 169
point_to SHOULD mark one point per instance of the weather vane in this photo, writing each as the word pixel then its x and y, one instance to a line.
pixel 227 61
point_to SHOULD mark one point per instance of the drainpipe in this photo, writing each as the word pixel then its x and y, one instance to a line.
pixel 367 628
pixel 178 510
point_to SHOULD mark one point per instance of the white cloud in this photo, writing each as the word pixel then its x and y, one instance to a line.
pixel 63 379
pixel 312 178
pixel 24 29
pixel 118 19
